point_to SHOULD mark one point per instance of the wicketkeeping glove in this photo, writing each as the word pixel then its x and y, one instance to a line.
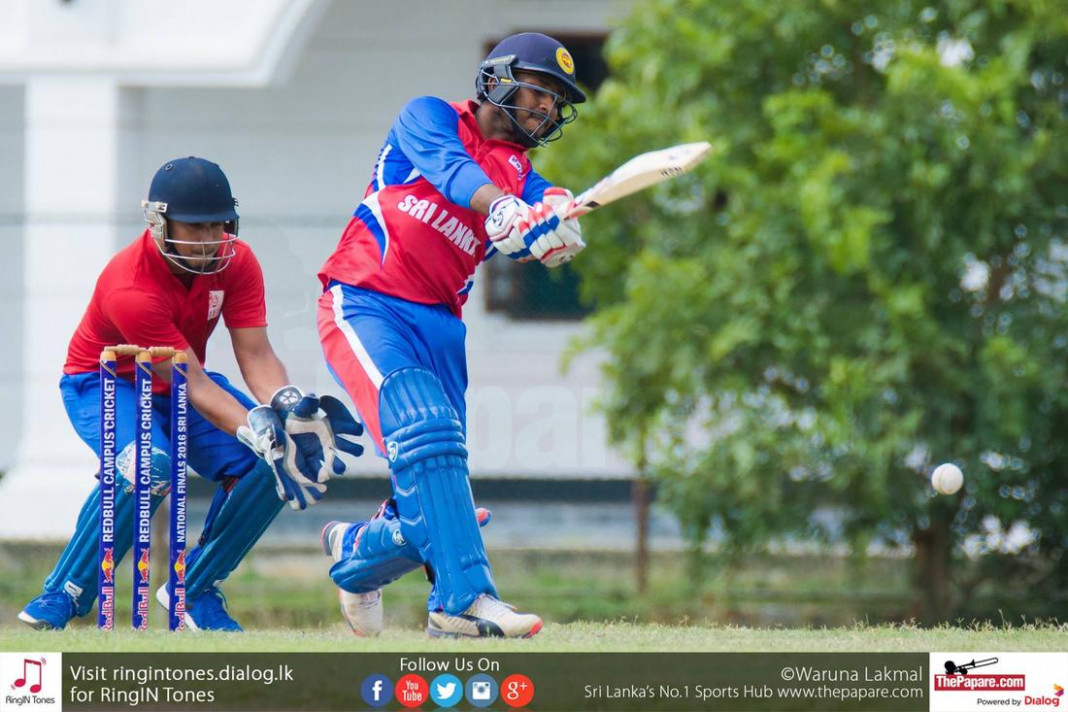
pixel 266 436
pixel 321 427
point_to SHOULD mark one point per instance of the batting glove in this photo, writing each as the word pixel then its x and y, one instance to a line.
pixel 565 241
pixel 316 424
pixel 509 225
pixel 266 436
pixel 535 232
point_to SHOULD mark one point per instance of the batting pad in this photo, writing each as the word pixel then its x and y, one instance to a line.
pixel 425 446
pixel 238 517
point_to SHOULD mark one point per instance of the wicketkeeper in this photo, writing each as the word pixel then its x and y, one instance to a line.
pixel 170 287
pixel 451 187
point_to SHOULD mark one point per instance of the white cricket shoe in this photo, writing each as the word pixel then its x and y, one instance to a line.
pixel 487 617
pixel 362 611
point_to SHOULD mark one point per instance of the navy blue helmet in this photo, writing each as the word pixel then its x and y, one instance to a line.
pixel 192 190
pixel 530 52
pixel 195 191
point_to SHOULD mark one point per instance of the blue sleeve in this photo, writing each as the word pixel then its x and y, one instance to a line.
pixel 534 188
pixel 426 132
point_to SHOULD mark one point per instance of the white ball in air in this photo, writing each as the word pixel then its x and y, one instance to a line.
pixel 947 478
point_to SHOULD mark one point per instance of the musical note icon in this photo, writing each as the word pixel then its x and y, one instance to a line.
pixel 34 689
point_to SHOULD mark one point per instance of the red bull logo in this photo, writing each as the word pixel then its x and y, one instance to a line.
pixel 107 609
pixel 179 567
pixel 144 566
pixel 107 566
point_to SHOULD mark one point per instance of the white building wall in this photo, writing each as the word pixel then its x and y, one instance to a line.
pixel 12 152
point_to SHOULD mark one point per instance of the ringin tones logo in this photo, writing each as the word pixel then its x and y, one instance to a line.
pixel 31 681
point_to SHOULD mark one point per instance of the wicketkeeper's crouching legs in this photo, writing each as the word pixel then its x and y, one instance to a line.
pixel 242 510
pixel 71 587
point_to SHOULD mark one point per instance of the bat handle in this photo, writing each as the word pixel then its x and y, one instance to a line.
pixel 574 211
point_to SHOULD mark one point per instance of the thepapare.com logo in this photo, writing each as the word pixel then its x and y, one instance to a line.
pixel 960 677
pixel 1026 680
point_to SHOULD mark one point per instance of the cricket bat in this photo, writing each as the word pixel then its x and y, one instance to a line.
pixel 639 173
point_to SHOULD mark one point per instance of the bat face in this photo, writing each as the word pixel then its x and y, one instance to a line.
pixel 640 172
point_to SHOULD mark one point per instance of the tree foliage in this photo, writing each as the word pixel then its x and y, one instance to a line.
pixel 867 278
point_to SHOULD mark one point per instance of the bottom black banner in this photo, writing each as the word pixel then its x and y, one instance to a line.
pixel 571 682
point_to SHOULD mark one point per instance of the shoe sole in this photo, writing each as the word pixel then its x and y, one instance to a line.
pixel 35 623
pixel 438 633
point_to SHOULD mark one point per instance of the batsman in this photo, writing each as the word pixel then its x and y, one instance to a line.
pixel 170 287
pixel 451 187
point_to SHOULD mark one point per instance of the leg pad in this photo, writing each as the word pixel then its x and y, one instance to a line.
pixel 425 445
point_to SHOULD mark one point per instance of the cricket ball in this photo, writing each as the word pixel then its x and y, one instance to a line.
pixel 947 478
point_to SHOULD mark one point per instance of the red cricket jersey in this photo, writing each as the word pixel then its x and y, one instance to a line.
pixel 137 300
pixel 407 240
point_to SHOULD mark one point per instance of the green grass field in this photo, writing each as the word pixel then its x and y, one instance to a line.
pixel 588 599
pixel 570 637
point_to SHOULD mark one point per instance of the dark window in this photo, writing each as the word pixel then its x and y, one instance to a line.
pixel 530 291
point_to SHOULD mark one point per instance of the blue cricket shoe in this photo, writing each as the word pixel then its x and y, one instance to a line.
pixel 49 611
pixel 205 612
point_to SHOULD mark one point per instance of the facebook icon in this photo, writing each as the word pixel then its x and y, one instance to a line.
pixel 377 690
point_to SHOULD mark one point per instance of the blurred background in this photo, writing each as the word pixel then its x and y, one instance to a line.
pixel 729 408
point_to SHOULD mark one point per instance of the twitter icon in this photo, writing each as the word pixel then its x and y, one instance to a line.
pixel 446 690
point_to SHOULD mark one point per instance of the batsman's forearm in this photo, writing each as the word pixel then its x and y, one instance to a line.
pixel 485 195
